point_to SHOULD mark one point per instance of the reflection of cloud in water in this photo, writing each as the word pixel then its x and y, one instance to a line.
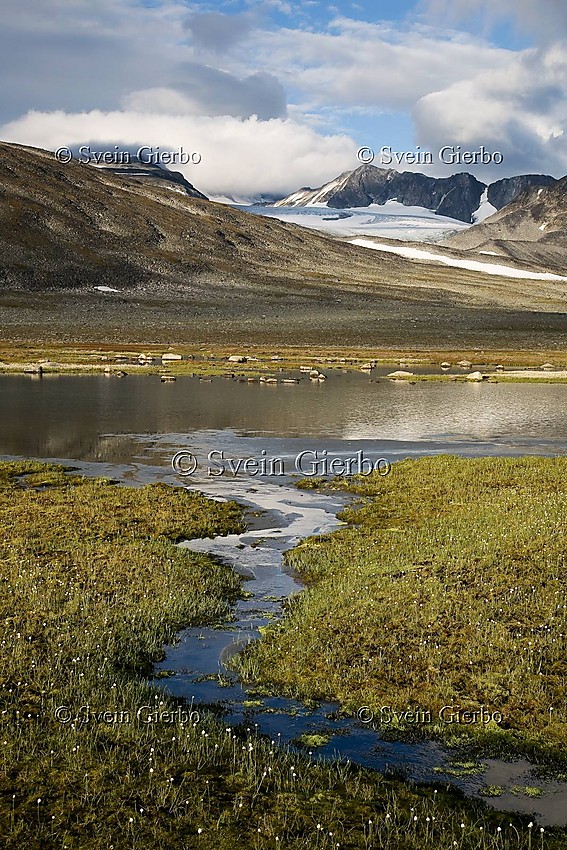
pixel 459 411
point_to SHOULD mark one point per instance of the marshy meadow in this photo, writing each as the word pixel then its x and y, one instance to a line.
pixel 445 586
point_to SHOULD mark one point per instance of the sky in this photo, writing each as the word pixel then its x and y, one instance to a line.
pixel 274 95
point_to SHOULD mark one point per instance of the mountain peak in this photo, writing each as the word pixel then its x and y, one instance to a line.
pixel 456 197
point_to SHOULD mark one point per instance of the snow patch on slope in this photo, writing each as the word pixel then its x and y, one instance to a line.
pixel 485 209
pixel 471 265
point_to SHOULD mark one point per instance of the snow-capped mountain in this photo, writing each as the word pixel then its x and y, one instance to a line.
pixel 461 196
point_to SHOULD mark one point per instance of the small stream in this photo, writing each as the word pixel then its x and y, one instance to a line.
pixel 196 665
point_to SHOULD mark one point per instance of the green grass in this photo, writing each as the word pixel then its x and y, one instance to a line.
pixel 527 790
pixel 313 740
pixel 447 587
pixel 491 791
pixel 91 587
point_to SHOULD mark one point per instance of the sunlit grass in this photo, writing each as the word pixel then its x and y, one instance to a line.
pixel 448 587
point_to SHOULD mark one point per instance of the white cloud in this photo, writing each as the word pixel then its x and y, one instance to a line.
pixel 519 110
pixel 213 92
pixel 75 54
pixel 373 65
pixel 458 88
pixel 239 157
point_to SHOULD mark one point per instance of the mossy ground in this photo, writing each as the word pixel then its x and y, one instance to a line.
pixel 91 587
pixel 446 588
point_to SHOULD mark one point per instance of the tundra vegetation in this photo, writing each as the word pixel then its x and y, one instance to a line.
pixel 91 587
pixel 447 587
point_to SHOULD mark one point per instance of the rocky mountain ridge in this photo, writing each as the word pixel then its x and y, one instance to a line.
pixel 504 191
pixel 458 196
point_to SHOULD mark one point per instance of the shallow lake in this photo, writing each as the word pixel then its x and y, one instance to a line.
pixel 92 417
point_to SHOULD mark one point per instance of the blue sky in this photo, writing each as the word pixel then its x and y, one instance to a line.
pixel 276 94
pixel 503 29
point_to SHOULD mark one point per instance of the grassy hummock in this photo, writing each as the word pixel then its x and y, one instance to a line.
pixel 447 588
pixel 91 587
